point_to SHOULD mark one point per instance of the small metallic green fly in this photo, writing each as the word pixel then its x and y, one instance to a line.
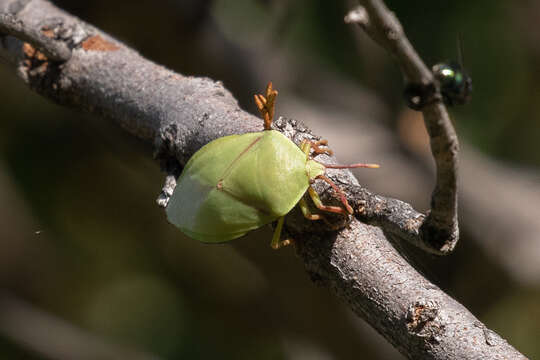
pixel 451 79
pixel 454 82
pixel 239 183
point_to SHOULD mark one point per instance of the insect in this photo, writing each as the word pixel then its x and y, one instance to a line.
pixel 455 84
pixel 238 183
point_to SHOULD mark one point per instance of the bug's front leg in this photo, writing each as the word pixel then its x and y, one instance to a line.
pixel 307 145
pixel 319 204
pixel 338 192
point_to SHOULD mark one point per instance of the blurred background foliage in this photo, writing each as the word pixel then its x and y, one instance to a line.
pixel 82 241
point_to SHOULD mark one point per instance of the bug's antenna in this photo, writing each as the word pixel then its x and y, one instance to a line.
pixel 266 105
pixel 352 166
pixel 461 50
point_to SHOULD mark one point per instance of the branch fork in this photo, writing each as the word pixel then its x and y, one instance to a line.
pixel 438 233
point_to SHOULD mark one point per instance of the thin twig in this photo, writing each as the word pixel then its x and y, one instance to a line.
pixel 43 39
pixel 383 27
pixel 439 231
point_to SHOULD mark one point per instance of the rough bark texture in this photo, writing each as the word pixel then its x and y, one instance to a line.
pixel 179 114
pixel 419 319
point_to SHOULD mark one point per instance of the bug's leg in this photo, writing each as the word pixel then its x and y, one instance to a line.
pixel 307 145
pixel 348 209
pixel 318 203
pixel 270 101
pixel 316 146
pixel 266 105
pixel 260 101
pixel 276 243
pixel 306 212
pixel 339 192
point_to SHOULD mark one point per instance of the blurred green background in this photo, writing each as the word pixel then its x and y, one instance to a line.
pixel 89 265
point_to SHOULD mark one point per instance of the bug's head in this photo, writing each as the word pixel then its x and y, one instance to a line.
pixel 317 170
pixel 265 104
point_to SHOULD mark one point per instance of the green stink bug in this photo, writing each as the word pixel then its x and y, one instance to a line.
pixel 238 183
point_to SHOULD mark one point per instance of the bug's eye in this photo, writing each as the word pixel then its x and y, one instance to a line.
pixel 445 74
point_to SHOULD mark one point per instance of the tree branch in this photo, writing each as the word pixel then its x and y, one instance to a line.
pixel 180 114
pixel 42 38
pixel 439 232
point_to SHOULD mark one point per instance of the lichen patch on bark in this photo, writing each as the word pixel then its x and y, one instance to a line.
pixel 33 53
pixel 35 61
pixel 48 32
pixel 421 320
pixel 97 43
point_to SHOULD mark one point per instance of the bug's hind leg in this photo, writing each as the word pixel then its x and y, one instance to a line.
pixel 276 242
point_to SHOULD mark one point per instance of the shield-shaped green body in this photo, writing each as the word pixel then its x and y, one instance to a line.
pixel 238 183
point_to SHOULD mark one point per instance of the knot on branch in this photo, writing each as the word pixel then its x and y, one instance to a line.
pixel 64 36
pixel 439 237
pixel 39 71
pixel 164 153
pixel 421 320
pixel 165 150
pixel 358 16
pixel 417 96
